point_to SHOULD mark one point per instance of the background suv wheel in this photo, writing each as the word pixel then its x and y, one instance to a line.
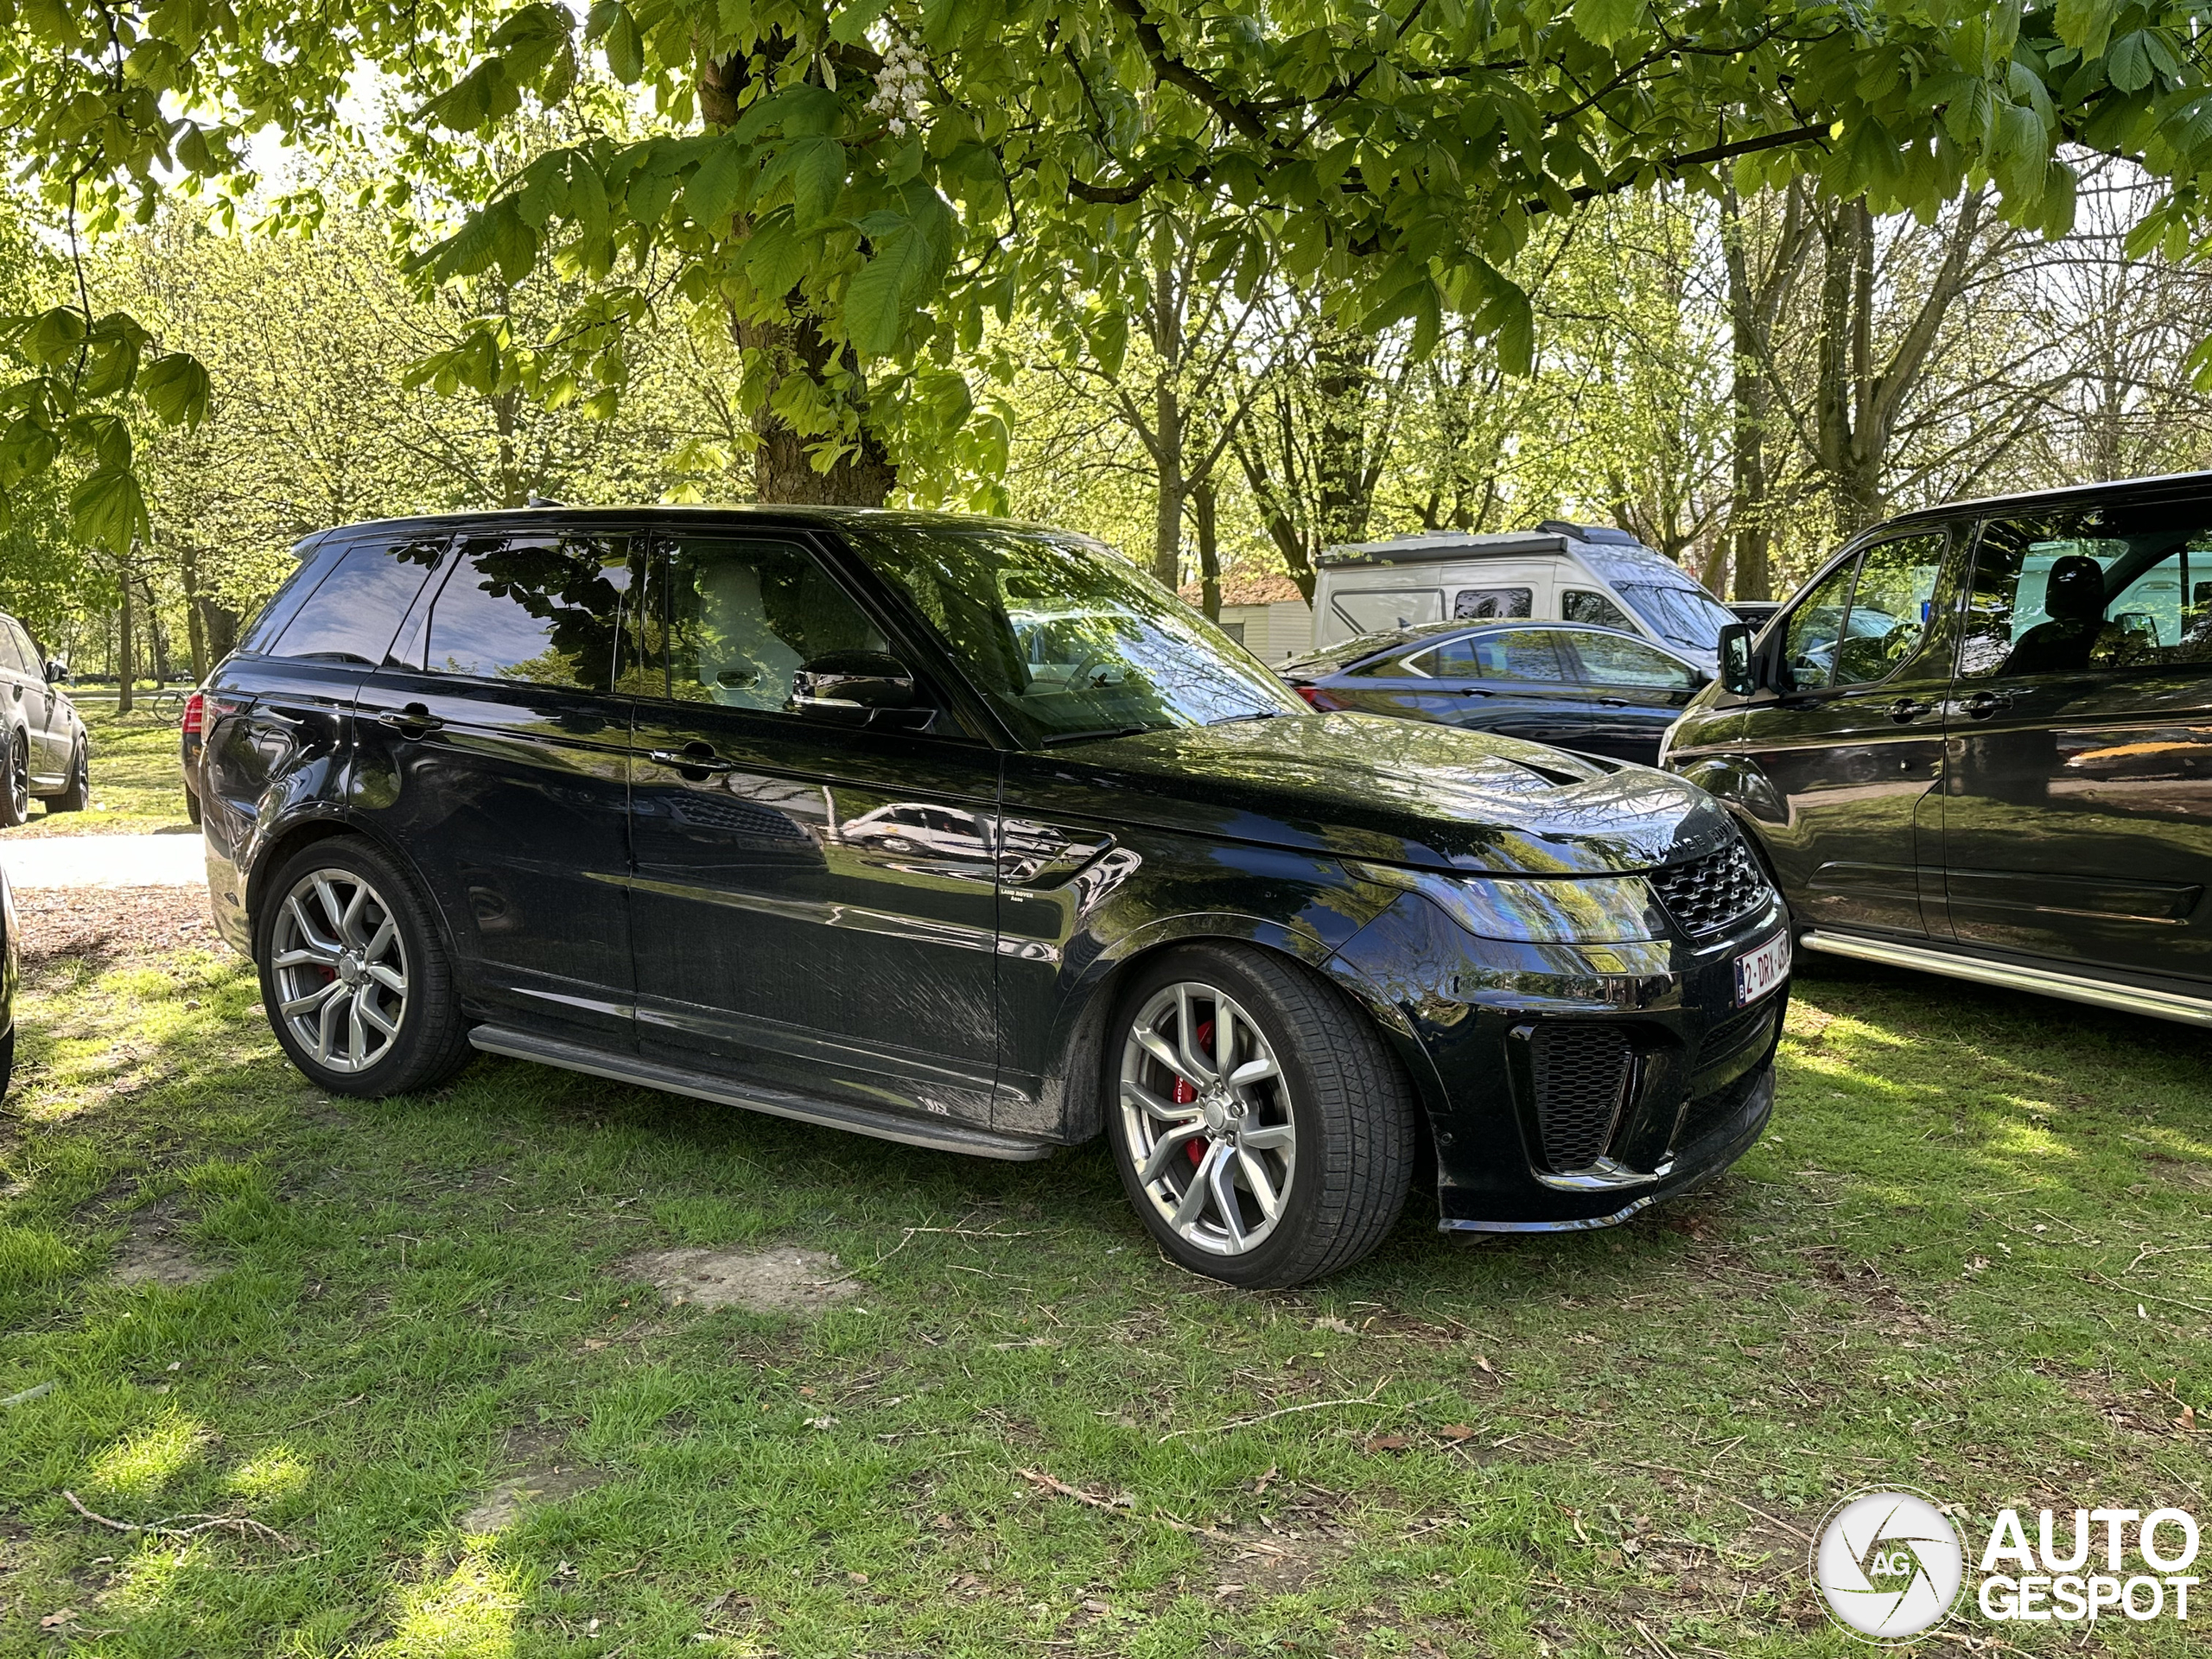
pixel 15 781
pixel 353 975
pixel 1262 1129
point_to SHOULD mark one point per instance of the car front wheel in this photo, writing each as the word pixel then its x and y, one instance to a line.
pixel 1262 1129
pixel 15 785
pixel 353 975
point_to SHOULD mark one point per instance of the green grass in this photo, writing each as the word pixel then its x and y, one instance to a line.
pixel 1973 1258
pixel 138 782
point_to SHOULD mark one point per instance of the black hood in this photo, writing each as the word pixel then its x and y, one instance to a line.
pixel 1396 792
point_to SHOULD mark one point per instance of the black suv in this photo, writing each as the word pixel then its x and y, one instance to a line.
pixel 968 836
pixel 1980 742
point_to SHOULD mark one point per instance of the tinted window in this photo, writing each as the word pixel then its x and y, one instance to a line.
pixel 34 657
pixel 352 616
pixel 1888 607
pixel 15 654
pixel 744 616
pixel 1616 659
pixel 1808 640
pixel 1486 602
pixel 1519 654
pixel 315 564
pixel 542 609
pixel 1066 638
pixel 2111 587
pixel 1581 605
pixel 1371 610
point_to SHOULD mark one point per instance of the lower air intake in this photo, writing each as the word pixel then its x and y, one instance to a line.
pixel 1581 1078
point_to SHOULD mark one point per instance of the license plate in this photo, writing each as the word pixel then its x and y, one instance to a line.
pixel 1760 971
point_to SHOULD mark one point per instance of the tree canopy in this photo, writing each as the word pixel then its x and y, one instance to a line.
pixel 858 187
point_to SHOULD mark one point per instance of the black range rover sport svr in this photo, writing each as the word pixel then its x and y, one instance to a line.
pixel 968 836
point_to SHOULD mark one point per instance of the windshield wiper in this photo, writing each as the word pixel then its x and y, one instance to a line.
pixel 1097 736
pixel 1256 713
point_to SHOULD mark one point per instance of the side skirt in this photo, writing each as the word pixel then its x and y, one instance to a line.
pixel 2043 981
pixel 648 1074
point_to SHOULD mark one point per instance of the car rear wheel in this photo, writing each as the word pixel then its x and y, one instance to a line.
pixel 191 805
pixel 76 795
pixel 15 785
pixel 1262 1129
pixel 353 975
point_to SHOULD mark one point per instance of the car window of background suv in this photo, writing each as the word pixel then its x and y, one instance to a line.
pixel 2119 587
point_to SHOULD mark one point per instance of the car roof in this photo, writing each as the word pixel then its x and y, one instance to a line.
pixel 2153 487
pixel 779 516
pixel 1343 656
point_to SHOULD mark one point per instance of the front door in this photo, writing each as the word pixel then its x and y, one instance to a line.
pixel 2078 821
pixel 1849 748
pixel 491 750
pixel 815 903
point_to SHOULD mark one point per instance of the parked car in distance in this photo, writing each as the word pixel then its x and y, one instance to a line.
pixel 189 732
pixel 1757 612
pixel 1595 690
pixel 1980 742
pixel 1559 572
pixel 44 753
pixel 969 836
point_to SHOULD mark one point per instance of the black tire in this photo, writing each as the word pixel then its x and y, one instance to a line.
pixel 15 781
pixel 429 1039
pixel 78 793
pixel 191 805
pixel 7 1059
pixel 1345 1097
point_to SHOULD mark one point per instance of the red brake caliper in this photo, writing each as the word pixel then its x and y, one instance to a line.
pixel 1183 1094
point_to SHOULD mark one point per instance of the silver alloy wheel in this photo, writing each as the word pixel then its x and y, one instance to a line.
pixel 19 777
pixel 1205 1112
pixel 340 969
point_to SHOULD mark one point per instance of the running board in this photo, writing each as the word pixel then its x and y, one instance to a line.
pixel 648 1074
pixel 2043 981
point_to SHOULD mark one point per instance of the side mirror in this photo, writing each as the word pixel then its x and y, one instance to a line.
pixel 57 672
pixel 1737 672
pixel 852 687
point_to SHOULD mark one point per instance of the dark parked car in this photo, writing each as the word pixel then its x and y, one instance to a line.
pixel 1598 690
pixel 969 836
pixel 1980 742
pixel 46 753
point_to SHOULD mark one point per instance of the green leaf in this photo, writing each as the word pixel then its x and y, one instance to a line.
pixel 626 51
pixel 54 335
pixel 2127 65
pixel 818 174
pixel 718 185
pixel 878 300
pixel 851 24
pixel 1606 21
pixel 2085 25
pixel 110 510
pixel 175 387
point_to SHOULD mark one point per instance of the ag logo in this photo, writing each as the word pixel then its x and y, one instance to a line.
pixel 1889 1564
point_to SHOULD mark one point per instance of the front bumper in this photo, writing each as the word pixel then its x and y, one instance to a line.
pixel 1571 1086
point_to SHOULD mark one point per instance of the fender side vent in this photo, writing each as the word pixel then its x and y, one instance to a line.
pixel 1581 1074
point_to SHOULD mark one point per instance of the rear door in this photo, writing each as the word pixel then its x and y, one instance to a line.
pixel 492 750
pixel 1849 750
pixel 1632 692
pixel 2078 821
pixel 815 904
pixel 1513 681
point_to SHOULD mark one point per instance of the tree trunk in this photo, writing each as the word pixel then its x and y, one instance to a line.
pixel 195 623
pixel 126 657
pixel 1203 504
pixel 1167 517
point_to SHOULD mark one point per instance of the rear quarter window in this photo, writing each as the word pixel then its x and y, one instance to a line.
pixel 355 610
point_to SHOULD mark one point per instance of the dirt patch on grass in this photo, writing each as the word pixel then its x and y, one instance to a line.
pixel 100 925
pixel 155 1252
pixel 781 1280
pixel 546 1476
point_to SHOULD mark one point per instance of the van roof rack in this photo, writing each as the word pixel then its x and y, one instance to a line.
pixel 1432 547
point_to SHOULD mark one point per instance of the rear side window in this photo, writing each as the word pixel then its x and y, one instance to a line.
pixel 268 624
pixel 1374 610
pixel 1481 604
pixel 541 609
pixel 1518 654
pixel 2117 587
pixel 15 651
pixel 353 615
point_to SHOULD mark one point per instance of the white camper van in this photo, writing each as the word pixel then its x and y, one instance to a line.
pixel 1557 572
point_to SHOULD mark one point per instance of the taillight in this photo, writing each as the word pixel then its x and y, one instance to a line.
pixel 194 707
pixel 1317 696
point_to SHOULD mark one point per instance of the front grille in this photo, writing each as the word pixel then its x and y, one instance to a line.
pixel 1713 891
pixel 1581 1078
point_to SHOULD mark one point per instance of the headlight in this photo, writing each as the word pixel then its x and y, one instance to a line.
pixel 1549 910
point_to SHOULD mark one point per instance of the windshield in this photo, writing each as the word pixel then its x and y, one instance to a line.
pixel 1687 616
pixel 1066 638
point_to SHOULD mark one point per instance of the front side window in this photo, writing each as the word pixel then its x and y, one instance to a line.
pixel 744 616
pixel 1815 625
pixel 531 607
pixel 14 654
pixel 1593 609
pixel 2108 588
pixel 1067 639
pixel 1888 607
pixel 1481 604
pixel 353 615
pixel 1616 659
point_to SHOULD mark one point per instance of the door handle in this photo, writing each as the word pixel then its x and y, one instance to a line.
pixel 1905 708
pixel 1613 703
pixel 696 762
pixel 1475 691
pixel 1983 704
pixel 413 720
